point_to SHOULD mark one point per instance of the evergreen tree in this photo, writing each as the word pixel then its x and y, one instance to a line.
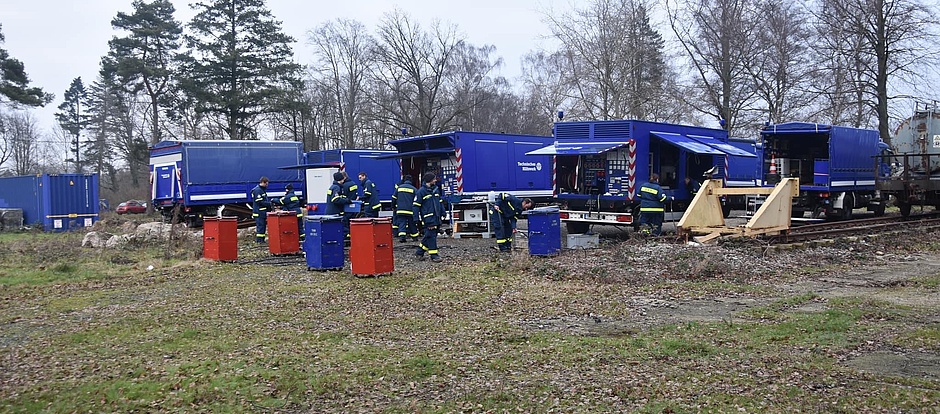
pixel 239 64
pixel 14 83
pixel 73 117
pixel 144 58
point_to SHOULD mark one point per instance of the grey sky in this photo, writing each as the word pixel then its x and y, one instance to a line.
pixel 59 40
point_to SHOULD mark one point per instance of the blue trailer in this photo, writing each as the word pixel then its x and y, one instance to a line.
pixel 601 165
pixel 57 202
pixel 193 179
pixel 836 166
pixel 319 167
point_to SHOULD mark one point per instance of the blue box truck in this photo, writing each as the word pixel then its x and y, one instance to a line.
pixel 57 202
pixel 472 164
pixel 602 164
pixel 836 166
pixel 202 178
pixel 319 167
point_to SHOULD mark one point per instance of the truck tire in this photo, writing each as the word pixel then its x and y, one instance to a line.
pixel 848 204
pixel 577 227
pixel 905 209
pixel 879 209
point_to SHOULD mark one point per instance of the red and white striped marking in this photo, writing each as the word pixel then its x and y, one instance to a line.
pixel 554 175
pixel 724 176
pixel 631 169
pixel 342 167
pixel 459 171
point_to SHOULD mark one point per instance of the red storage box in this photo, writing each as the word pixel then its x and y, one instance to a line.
pixel 370 246
pixel 282 232
pixel 220 238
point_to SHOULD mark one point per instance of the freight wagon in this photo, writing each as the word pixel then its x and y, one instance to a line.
pixel 602 164
pixel 57 202
pixel 911 172
pixel 319 167
pixel 193 179
pixel 836 167
pixel 470 165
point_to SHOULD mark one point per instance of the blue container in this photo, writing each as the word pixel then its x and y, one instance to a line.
pixel 354 206
pixel 57 202
pixel 544 231
pixel 323 243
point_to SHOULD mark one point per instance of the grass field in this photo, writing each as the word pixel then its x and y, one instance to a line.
pixel 85 330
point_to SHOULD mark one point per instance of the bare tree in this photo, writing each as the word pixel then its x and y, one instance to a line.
pixel 21 138
pixel 719 38
pixel 343 52
pixel 613 59
pixel 780 69
pixel 896 44
pixel 410 76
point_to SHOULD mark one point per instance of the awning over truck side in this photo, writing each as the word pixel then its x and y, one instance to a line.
pixel 309 166
pixel 730 149
pixel 577 148
pixel 687 143
pixel 421 153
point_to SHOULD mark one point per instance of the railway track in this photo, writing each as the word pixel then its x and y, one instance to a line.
pixel 867 226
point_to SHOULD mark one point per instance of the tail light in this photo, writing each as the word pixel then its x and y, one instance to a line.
pixel 563 215
pixel 625 219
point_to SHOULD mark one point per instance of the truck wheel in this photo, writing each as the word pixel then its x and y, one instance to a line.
pixel 577 227
pixel 879 209
pixel 905 209
pixel 848 204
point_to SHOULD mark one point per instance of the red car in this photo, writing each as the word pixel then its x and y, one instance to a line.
pixel 131 207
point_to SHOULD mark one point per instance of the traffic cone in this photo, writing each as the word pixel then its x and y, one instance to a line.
pixel 773 163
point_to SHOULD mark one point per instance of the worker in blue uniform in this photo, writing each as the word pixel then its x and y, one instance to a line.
pixel 402 204
pixel 505 210
pixel 652 206
pixel 336 199
pixel 291 202
pixel 370 196
pixel 692 185
pixel 429 210
pixel 260 205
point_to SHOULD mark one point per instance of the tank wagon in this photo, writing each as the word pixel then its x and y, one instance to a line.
pixel 197 178
pixel 600 166
pixel 836 167
pixel 911 172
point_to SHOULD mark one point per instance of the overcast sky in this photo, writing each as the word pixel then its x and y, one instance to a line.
pixel 59 40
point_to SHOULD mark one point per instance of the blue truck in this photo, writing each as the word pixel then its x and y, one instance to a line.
pixel 56 202
pixel 195 178
pixel 319 167
pixel 473 164
pixel 602 164
pixel 836 167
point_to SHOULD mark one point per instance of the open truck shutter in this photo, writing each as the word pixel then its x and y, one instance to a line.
pixel 577 148
pixel 725 147
pixel 687 143
pixel 421 153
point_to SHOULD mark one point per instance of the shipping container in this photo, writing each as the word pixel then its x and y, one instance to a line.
pixel 198 178
pixel 56 202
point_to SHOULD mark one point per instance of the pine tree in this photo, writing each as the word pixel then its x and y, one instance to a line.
pixel 144 59
pixel 73 118
pixel 14 83
pixel 240 62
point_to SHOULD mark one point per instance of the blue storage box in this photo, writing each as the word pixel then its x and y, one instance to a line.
pixel 544 231
pixel 323 243
pixel 353 207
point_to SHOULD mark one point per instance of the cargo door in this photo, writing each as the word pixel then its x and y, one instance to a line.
pixel 491 166
pixel 165 178
pixel 70 201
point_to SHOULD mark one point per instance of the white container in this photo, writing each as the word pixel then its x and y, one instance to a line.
pixel 583 241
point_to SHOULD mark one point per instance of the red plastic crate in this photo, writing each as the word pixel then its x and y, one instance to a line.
pixel 370 246
pixel 220 238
